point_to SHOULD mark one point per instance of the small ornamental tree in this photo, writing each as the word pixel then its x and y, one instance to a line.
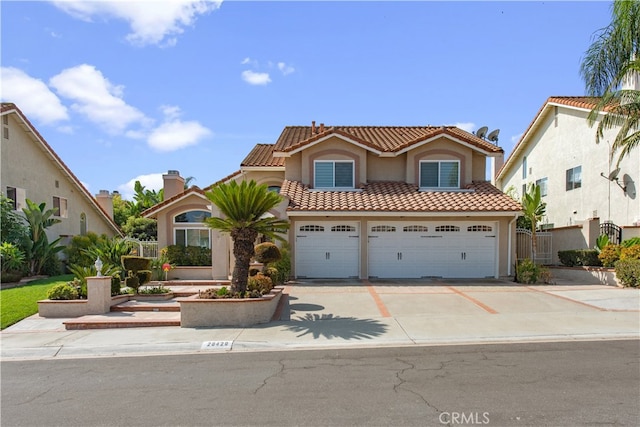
pixel 243 207
pixel 138 270
pixel 534 210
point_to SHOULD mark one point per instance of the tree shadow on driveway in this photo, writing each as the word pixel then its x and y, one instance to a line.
pixel 330 326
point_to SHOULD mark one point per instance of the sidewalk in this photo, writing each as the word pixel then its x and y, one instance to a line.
pixel 342 314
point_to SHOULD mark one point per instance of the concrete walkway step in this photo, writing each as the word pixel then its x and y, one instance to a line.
pixel 133 319
pixel 133 305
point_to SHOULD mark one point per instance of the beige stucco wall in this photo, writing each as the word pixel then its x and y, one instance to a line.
pixel 506 228
pixel 261 177
pixel 441 149
pixel 333 149
pixel 25 165
pixel 558 145
pixel 385 168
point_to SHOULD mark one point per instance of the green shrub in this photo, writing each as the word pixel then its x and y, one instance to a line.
pixel 63 291
pixel 529 272
pixel 76 250
pixel 115 285
pixel 155 290
pixel 267 252
pixel 138 271
pixel 630 252
pixel 189 255
pixel 282 266
pixel 579 257
pixel 259 283
pixel 135 263
pixel 631 242
pixel 628 272
pixel 12 258
pixel 609 255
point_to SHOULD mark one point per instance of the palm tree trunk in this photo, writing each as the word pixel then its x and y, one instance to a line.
pixel 243 250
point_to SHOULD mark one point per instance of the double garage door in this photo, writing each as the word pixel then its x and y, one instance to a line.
pixel 397 249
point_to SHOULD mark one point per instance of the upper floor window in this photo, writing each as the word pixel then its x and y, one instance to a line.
pixel 524 167
pixel 334 174
pixel 192 237
pixel 440 174
pixel 574 178
pixel 274 188
pixel 542 183
pixel 196 217
pixel 60 204
pixel 18 197
pixel 83 224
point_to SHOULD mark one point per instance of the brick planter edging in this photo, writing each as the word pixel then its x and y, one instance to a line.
pixel 196 312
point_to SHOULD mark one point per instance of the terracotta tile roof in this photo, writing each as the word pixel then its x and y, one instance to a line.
pixel 262 156
pixel 575 101
pixel 387 139
pixel 220 181
pixel 9 108
pixel 399 197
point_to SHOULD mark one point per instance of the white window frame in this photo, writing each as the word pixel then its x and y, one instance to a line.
pixel 544 189
pixel 438 162
pixel 186 235
pixel 572 172
pixel 20 201
pixel 62 205
pixel 333 162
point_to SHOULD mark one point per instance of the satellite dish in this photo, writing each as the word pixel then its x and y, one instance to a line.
pixel 493 136
pixel 480 133
pixel 613 176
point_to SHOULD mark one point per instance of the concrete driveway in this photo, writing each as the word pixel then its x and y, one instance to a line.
pixel 343 313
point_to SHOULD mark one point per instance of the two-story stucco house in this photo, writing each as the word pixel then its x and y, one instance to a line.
pixel 368 201
pixel 577 180
pixel 30 169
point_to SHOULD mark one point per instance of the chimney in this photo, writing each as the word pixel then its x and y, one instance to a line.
pixel 173 184
pixel 496 165
pixel 313 126
pixel 321 127
pixel 105 201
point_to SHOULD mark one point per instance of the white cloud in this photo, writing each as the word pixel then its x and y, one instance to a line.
pixel 171 111
pixel 285 69
pixel 516 138
pixel 150 182
pixel 151 22
pixel 32 96
pixel 466 126
pixel 176 134
pixel 246 61
pixel 97 98
pixel 254 78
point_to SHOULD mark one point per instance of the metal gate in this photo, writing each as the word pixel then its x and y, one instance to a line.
pixel 544 250
pixel 613 231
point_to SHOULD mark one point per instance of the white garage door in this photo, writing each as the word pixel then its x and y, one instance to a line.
pixel 327 249
pixel 432 249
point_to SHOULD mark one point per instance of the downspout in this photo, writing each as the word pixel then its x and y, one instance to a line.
pixel 515 218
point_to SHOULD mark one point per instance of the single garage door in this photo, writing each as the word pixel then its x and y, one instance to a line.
pixel 327 249
pixel 432 249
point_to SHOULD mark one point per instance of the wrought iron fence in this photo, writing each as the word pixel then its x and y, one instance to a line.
pixel 613 231
pixel 544 249
pixel 144 248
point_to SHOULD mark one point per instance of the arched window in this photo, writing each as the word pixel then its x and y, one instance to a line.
pixel 192 217
pixel 83 224
pixel 192 232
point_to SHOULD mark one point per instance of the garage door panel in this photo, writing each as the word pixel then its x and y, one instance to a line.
pixel 331 250
pixel 432 249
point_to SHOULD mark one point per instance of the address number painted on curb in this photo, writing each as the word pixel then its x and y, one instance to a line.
pixel 216 345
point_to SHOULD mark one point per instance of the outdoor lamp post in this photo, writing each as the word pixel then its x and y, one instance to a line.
pixel 98 265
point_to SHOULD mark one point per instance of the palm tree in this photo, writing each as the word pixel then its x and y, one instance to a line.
pixel 612 57
pixel 38 248
pixel 534 210
pixel 244 207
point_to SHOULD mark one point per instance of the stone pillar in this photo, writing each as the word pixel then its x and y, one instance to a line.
pixel 591 231
pixel 99 294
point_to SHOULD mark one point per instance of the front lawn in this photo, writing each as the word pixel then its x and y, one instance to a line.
pixel 18 303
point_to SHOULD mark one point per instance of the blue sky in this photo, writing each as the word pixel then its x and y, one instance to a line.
pixel 128 90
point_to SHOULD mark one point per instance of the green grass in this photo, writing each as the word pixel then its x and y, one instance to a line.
pixel 18 303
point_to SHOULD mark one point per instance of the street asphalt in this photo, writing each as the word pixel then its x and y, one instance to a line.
pixel 344 314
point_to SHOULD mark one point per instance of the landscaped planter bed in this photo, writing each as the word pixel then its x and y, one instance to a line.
pixel 196 312
pixel 586 275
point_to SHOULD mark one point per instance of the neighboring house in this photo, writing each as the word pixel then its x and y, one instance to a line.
pixel 368 201
pixel 32 170
pixel 577 179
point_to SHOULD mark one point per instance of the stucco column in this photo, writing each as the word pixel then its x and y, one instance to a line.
pixel 591 231
pixel 99 294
